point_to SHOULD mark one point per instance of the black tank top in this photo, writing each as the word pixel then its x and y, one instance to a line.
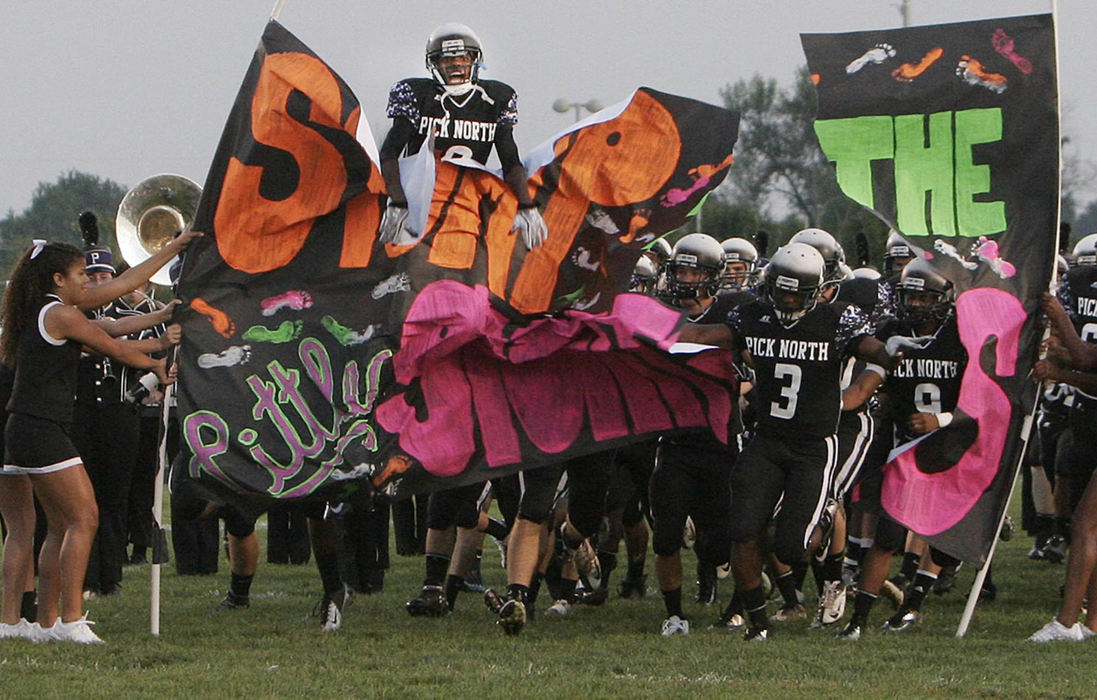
pixel 45 372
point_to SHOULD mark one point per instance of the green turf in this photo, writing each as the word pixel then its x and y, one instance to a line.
pixel 276 648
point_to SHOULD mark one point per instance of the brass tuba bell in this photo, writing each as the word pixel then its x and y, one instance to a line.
pixel 151 214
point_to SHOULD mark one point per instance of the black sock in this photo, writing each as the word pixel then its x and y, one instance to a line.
pixel 517 591
pixel 734 606
pixel 1045 525
pixel 832 567
pixel 923 582
pixel 786 584
pixel 818 573
pixel 496 528
pixel 534 588
pixel 28 608
pixel 608 562
pixel 1061 526
pixel 673 601
pixel 862 606
pixel 754 602
pixel 567 589
pixel 453 587
pixel 241 585
pixel 910 565
pixel 437 566
pixel 636 569
pixel 799 573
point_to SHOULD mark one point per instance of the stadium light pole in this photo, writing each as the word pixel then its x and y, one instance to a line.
pixel 561 105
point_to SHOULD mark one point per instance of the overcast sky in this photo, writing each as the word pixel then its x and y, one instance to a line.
pixel 125 89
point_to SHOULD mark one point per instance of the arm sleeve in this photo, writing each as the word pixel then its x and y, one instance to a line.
pixel 396 139
pixel 506 147
pixel 402 102
pixel 853 325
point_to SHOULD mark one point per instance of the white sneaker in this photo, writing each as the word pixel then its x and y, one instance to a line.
pixel 78 631
pixel 13 631
pixel 560 608
pixel 1087 632
pixel 832 604
pixel 675 625
pixel 37 633
pixel 1055 631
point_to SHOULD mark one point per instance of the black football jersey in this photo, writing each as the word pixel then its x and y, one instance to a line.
pixel 467 123
pixel 925 381
pixel 797 370
pixel 1078 294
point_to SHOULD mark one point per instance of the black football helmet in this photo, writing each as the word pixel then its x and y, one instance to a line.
pixel 920 277
pixel 1085 250
pixel 833 255
pixel 792 281
pixel 738 250
pixel 696 251
pixel 454 39
pixel 896 248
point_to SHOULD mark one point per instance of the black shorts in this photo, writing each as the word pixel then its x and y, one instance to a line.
pixel 37 446
pixel 792 472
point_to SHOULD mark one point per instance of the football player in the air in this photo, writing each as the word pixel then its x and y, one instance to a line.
pixel 691 477
pixel 467 116
pixel 922 392
pixel 797 346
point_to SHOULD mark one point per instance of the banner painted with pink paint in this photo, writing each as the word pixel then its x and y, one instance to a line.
pixel 949 133
pixel 318 362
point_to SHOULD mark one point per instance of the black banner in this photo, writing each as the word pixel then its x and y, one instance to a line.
pixel 950 134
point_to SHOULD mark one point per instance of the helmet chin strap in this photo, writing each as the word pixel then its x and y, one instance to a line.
pixel 459 89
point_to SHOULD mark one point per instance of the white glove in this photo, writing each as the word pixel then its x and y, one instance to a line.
pixel 529 223
pixel 897 343
pixel 393 221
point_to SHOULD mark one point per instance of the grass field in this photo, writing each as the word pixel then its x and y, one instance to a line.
pixel 276 648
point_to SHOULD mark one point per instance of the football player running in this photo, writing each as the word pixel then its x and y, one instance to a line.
pixel 922 392
pixel 797 346
pixel 467 117
pixel 691 476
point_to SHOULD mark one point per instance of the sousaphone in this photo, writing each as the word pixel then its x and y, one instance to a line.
pixel 151 214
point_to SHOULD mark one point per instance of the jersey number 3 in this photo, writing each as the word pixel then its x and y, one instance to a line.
pixel 789 376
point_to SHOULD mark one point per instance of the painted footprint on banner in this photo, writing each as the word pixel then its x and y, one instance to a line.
pixel 230 357
pixel 877 54
pixel 987 251
pixel 294 299
pixel 949 250
pixel 400 282
pixel 909 71
pixel 345 335
pixel 221 321
pixel 1003 44
pixel 287 331
pixel 972 72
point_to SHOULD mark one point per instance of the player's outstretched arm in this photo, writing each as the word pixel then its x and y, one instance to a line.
pixel 872 350
pixel 716 334
pixel 863 387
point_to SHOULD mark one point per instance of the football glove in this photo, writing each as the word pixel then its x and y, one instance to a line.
pixel 393 221
pixel 531 226
pixel 897 343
